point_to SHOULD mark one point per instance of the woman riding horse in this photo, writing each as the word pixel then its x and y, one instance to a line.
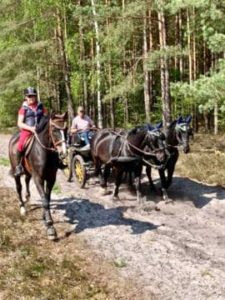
pixel 29 116
pixel 40 161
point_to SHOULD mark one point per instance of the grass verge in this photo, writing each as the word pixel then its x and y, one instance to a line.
pixel 206 161
pixel 4 161
pixel 34 268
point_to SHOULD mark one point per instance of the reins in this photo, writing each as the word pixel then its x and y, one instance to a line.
pixel 42 145
pixel 55 144
pixel 140 151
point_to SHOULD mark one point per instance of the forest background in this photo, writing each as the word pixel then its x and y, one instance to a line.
pixel 128 62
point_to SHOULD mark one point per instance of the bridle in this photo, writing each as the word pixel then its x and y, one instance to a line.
pixel 153 152
pixel 63 140
pixel 179 128
pixel 54 142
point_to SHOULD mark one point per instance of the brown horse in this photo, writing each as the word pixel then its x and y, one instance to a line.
pixel 41 162
pixel 125 153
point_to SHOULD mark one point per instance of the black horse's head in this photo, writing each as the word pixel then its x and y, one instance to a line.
pixel 155 141
pixel 58 128
pixel 182 132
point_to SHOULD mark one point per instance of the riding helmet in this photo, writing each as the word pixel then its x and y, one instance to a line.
pixel 30 91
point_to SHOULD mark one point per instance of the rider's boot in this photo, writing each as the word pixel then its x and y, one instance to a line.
pixel 19 168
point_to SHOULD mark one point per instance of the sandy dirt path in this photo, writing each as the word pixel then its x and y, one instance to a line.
pixel 175 252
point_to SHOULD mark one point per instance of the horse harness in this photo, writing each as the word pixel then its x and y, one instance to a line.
pixel 179 127
pixel 153 152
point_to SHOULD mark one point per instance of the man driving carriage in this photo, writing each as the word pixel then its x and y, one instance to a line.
pixel 29 116
pixel 82 126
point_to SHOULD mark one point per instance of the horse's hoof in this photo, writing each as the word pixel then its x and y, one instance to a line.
pixel 52 235
pixel 23 211
pixel 168 200
pixel 27 199
pixel 115 198
pixel 104 191
pixel 141 200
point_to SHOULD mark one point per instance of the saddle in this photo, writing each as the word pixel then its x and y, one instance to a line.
pixel 27 148
pixel 28 145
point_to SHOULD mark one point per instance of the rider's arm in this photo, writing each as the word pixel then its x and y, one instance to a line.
pixel 91 123
pixel 22 125
pixel 73 130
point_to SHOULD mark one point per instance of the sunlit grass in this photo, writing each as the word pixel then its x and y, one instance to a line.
pixel 206 161
pixel 30 267
pixel 4 161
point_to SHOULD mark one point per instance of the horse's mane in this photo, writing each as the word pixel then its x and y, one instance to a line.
pixel 172 124
pixel 137 129
pixel 42 124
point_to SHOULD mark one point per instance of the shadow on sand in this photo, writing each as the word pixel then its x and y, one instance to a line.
pixel 185 189
pixel 87 215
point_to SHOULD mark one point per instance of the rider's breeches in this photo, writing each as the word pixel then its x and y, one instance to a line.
pixel 24 135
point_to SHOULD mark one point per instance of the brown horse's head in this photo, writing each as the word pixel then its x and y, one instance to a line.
pixel 58 127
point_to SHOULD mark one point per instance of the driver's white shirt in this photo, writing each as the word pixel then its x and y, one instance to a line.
pixel 84 123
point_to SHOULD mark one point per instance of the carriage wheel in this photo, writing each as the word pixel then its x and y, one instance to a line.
pixel 68 170
pixel 79 170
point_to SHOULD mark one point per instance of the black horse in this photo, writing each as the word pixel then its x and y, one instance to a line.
pixel 177 137
pixel 125 153
pixel 41 162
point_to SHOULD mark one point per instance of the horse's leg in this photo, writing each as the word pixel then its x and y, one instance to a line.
pixel 149 174
pixel 118 173
pixel 45 197
pixel 27 181
pixel 171 168
pixel 106 174
pixel 163 185
pixel 98 171
pixel 19 192
pixel 137 181
pixel 130 180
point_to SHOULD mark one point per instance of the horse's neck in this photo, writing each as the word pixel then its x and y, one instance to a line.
pixel 171 136
pixel 44 136
pixel 137 139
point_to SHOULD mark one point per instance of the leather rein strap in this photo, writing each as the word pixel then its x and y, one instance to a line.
pixel 55 144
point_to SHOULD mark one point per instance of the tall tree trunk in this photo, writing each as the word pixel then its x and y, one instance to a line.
pixel 112 112
pixel 164 71
pixel 181 62
pixel 194 74
pixel 189 47
pixel 146 73
pixel 98 64
pixel 83 67
pixel 65 66
pixel 216 122
pixel 150 47
pixel 126 102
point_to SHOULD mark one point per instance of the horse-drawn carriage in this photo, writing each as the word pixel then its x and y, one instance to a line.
pixel 78 162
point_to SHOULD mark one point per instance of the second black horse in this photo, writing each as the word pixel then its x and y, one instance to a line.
pixel 177 137
pixel 125 153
